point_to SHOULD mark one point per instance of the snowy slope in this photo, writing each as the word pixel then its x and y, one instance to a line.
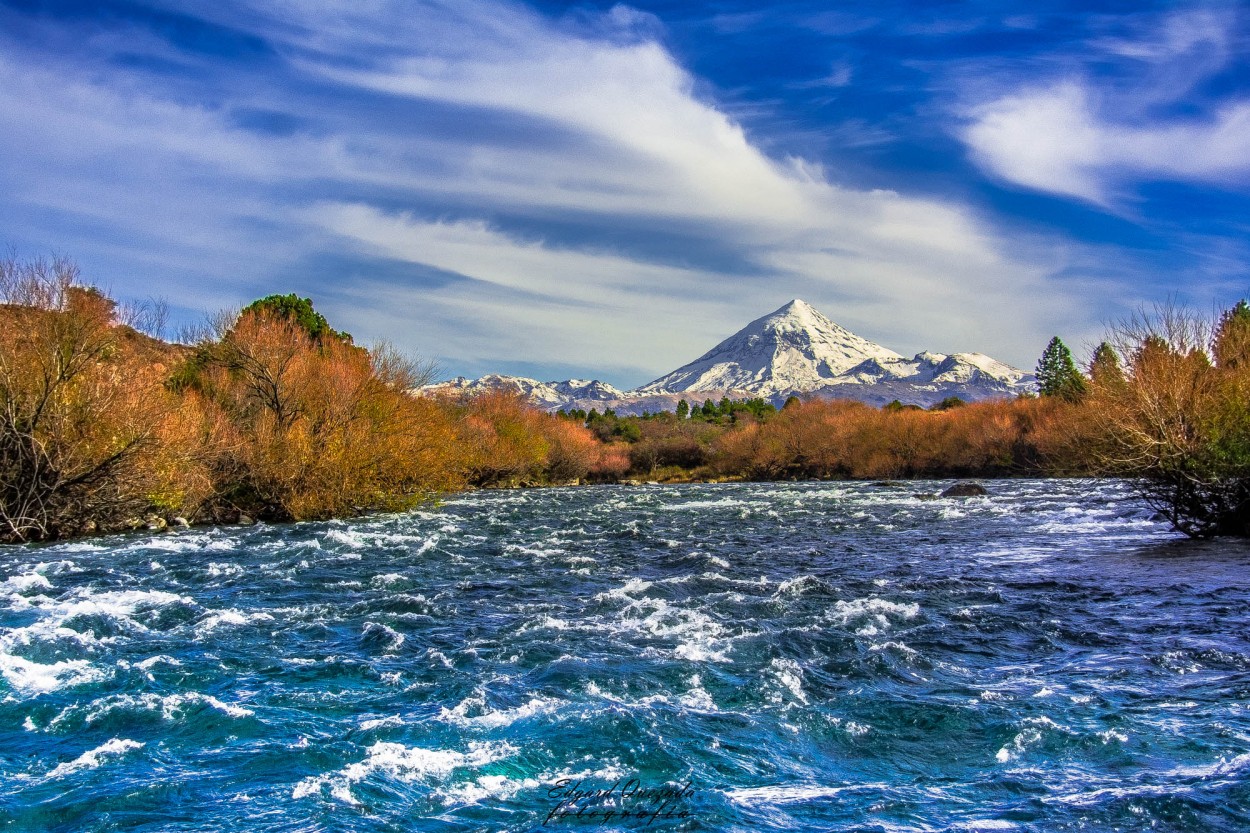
pixel 549 395
pixel 794 350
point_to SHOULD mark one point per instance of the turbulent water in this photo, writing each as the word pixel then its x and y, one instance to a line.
pixel 720 657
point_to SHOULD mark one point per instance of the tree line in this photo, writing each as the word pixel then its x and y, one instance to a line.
pixel 270 413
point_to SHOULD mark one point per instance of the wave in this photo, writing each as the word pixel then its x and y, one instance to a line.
pixel 115 748
pixel 406 764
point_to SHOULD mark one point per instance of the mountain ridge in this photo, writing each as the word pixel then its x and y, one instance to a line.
pixel 792 351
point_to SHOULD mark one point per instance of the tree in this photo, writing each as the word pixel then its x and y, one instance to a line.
pixel 298 311
pixel 1057 374
pixel 627 430
pixel 1177 422
pixel 683 409
pixel 79 419
pixel 1104 366
pixel 948 403
pixel 319 427
pixel 1231 344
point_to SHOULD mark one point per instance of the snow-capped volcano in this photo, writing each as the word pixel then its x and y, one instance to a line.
pixel 793 349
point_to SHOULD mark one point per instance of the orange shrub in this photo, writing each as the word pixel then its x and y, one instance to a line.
pixel 572 450
pixel 612 463
pixel 503 439
pixel 840 438
pixel 79 414
pixel 319 427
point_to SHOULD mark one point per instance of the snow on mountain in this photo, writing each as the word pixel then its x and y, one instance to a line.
pixel 794 350
pixel 549 395
pixel 928 378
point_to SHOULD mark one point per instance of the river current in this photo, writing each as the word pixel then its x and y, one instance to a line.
pixel 737 657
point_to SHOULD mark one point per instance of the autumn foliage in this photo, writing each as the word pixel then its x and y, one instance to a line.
pixel 83 412
pixel 507 441
pixel 825 439
pixel 270 414
pixel 310 426
pixel 1175 416
pixel 275 415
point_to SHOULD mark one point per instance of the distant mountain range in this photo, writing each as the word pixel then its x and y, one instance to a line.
pixel 793 351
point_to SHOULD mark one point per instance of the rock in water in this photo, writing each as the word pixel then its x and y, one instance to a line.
pixel 965 490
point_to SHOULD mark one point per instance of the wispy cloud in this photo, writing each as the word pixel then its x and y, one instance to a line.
pixel 1098 137
pixel 562 190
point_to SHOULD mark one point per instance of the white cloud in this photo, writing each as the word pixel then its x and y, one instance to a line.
pixel 1188 34
pixel 1095 137
pixel 1055 140
pixel 628 142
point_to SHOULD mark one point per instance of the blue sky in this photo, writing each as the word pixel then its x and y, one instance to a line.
pixel 607 190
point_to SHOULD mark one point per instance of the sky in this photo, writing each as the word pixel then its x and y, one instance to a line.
pixel 602 190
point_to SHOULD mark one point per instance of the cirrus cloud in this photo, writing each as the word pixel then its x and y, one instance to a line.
pixel 486 184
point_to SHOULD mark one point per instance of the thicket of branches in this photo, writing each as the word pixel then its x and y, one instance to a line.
pixel 82 409
pixel 270 414
pixel 841 439
pixel 1170 405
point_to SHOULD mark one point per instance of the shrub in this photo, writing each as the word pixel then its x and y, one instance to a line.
pixel 80 415
pixel 318 427
pixel 1177 419
pixel 572 451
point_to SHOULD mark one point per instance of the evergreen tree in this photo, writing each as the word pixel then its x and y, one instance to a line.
pixel 1104 367
pixel 1057 374
pixel 299 311
pixel 683 409
pixel 1231 344
pixel 627 430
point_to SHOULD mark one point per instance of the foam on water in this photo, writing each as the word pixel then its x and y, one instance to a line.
pixel 811 657
pixel 170 707
pixel 473 712
pixel 29 677
pixel 115 748
pixel 402 763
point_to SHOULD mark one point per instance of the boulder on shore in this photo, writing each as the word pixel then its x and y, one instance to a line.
pixel 965 490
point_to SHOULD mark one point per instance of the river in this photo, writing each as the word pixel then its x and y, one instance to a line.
pixel 734 657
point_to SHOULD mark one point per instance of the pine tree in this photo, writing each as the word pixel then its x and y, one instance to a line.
pixel 1231 344
pixel 683 409
pixel 1104 367
pixel 1057 374
pixel 299 311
